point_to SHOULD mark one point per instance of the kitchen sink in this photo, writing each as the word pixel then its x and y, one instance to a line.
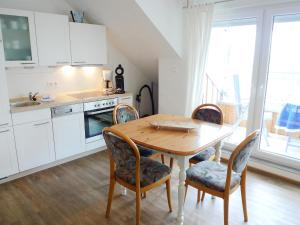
pixel 26 104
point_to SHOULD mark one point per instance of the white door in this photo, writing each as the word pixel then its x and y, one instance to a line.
pixel 34 143
pixel 19 40
pixel 88 44
pixel 4 102
pixel 53 39
pixel 69 135
pixel 8 157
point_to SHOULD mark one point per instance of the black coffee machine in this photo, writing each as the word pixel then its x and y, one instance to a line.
pixel 119 80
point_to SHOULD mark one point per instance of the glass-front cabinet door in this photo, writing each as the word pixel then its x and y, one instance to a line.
pixel 18 37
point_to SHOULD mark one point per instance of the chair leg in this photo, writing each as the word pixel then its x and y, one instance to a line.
pixel 169 195
pixel 244 201
pixel 138 207
pixel 186 189
pixel 226 209
pixel 110 196
pixel 203 196
pixel 198 196
pixel 162 158
pixel 171 163
pixel 143 195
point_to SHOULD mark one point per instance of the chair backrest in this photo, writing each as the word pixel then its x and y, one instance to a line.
pixel 123 113
pixel 121 148
pixel 240 156
pixel 209 113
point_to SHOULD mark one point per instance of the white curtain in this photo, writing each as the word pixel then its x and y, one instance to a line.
pixel 198 24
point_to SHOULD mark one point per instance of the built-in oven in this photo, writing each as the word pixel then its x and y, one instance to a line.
pixel 97 116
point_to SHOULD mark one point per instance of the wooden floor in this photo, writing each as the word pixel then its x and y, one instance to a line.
pixel 75 194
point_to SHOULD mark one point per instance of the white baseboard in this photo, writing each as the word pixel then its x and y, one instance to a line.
pixel 52 164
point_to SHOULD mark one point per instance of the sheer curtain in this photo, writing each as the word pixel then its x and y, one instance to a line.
pixel 198 24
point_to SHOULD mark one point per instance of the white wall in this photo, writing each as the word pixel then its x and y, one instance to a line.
pixel 172 87
pixel 166 15
pixel 21 81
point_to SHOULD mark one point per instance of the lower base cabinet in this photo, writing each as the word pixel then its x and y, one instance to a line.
pixel 34 144
pixel 69 136
pixel 8 156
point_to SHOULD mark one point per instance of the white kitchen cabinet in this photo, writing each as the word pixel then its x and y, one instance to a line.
pixel 69 136
pixel 8 156
pixel 34 144
pixel 128 100
pixel 4 101
pixel 19 39
pixel 53 39
pixel 88 44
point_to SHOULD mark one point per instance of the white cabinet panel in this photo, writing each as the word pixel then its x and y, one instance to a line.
pixel 128 100
pixel 88 44
pixel 8 156
pixel 34 143
pixel 69 136
pixel 53 39
pixel 18 33
pixel 4 102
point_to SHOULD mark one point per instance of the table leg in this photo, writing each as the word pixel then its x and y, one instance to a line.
pixel 183 165
pixel 218 147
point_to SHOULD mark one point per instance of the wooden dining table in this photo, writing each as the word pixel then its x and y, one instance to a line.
pixel 178 144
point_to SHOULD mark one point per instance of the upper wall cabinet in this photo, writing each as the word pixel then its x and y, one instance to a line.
pixel 18 34
pixel 53 39
pixel 88 44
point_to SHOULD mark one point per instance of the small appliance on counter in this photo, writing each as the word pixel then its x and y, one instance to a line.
pixel 107 77
pixel 119 80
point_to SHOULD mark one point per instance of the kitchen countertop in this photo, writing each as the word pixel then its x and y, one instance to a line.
pixel 64 99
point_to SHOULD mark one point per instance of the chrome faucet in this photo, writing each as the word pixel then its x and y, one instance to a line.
pixel 32 97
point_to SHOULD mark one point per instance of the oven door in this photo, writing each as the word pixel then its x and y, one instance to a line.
pixel 95 121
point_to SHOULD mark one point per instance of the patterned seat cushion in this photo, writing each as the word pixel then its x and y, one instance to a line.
pixel 146 152
pixel 212 175
pixel 150 171
pixel 204 155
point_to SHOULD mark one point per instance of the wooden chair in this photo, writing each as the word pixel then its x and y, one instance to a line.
pixel 136 173
pixel 221 181
pixel 208 113
pixel 124 113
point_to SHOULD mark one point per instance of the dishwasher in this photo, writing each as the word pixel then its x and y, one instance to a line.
pixel 68 130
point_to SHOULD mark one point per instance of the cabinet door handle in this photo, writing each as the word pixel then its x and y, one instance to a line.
pixel 27 63
pixel 64 62
pixel 4 131
pixel 80 62
pixel 4 124
pixel 40 124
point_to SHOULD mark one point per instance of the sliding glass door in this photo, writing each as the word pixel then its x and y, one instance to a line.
pixel 228 78
pixel 281 118
pixel 253 74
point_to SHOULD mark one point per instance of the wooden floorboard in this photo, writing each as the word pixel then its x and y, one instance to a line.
pixel 75 194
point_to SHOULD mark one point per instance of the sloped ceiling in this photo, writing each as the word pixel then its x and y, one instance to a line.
pixel 130 30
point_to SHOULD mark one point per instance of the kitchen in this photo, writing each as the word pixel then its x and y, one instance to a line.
pixel 57 123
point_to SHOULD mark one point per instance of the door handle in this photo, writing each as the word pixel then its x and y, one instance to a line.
pixel 4 131
pixel 40 124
